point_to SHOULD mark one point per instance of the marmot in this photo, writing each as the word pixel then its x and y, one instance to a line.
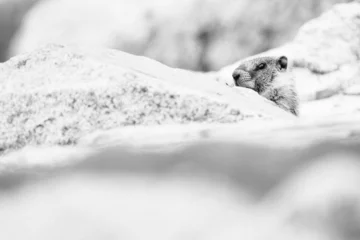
pixel 271 78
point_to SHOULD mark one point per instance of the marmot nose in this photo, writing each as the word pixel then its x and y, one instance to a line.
pixel 236 75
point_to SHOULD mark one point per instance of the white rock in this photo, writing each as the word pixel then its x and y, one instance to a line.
pixel 56 95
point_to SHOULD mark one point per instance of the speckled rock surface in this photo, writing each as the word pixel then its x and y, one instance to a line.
pixel 56 94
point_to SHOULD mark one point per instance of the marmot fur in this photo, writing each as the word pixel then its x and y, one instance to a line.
pixel 271 78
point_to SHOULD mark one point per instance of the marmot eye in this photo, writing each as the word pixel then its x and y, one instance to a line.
pixel 261 66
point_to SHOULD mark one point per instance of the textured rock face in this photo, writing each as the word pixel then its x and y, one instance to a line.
pixel 57 94
pixel 191 34
pixel 325 53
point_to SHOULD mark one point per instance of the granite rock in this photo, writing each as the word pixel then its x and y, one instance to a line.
pixel 57 94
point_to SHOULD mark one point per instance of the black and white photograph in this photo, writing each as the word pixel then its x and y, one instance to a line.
pixel 179 119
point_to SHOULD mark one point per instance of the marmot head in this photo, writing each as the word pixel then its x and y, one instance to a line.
pixel 258 73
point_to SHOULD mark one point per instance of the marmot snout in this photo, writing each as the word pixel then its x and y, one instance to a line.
pixel 270 77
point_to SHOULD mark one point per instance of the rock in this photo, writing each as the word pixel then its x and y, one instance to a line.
pixel 281 133
pixel 353 90
pixel 193 34
pixel 339 105
pixel 322 70
pixel 223 189
pixel 323 196
pixel 56 95
pixel 11 16
pixel 84 207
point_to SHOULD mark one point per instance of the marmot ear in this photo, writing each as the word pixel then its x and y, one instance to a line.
pixel 282 62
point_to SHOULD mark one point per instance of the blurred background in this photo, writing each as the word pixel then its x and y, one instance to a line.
pixel 199 35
